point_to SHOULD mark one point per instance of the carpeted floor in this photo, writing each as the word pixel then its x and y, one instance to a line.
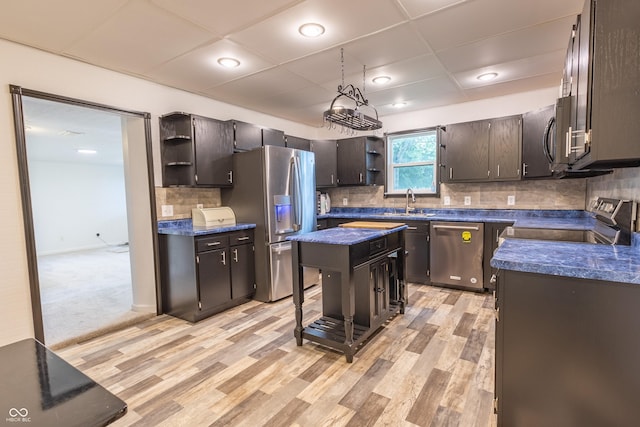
pixel 84 294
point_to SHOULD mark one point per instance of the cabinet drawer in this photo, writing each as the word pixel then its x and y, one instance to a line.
pixel 241 237
pixel 417 226
pixel 211 243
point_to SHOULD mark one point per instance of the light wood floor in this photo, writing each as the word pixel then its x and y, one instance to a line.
pixel 432 366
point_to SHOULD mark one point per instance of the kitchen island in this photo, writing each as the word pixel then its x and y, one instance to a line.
pixel 362 283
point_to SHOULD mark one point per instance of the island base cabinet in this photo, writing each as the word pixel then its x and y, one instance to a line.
pixel 566 351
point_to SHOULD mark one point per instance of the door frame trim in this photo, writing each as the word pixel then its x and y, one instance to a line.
pixel 17 92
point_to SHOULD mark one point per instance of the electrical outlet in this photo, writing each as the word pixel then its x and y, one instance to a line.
pixel 467 200
pixel 167 210
pixel 345 201
pixel 447 200
pixel 199 206
pixel 511 200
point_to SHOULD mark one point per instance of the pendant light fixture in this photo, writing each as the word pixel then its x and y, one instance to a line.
pixel 351 118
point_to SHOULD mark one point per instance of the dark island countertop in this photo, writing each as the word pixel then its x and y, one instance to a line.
pixel 344 235
pixel 184 227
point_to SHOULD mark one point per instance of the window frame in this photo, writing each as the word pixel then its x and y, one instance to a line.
pixel 389 166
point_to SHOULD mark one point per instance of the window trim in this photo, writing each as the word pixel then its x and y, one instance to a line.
pixel 389 169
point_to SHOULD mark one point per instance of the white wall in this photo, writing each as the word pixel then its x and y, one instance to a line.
pixel 72 202
pixel 37 70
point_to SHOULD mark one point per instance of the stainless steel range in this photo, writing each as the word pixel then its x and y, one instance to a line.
pixel 615 222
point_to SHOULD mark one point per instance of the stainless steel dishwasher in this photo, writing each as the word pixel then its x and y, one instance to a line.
pixel 456 254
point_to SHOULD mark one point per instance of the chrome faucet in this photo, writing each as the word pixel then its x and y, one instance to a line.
pixel 407 209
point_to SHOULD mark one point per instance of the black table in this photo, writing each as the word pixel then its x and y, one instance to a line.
pixel 38 388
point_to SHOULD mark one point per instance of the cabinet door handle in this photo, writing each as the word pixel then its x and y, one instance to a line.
pixel 224 258
pixel 498 171
pixel 213 243
pixel 332 179
pixel 524 169
pixel 412 228
pixel 243 238
pixel 235 255
pixel 230 177
pixel 361 177
pixel 450 173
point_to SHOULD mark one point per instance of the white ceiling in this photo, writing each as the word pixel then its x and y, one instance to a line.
pixel 432 49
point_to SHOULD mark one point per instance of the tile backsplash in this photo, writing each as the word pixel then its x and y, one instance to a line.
pixel 623 183
pixel 183 199
pixel 534 194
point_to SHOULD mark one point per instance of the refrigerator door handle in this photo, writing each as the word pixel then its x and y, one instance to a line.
pixel 297 194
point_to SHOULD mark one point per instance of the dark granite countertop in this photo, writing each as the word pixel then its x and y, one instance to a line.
pixel 344 235
pixel 184 227
pixel 565 219
pixel 581 260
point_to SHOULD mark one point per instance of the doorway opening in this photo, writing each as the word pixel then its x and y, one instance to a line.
pixel 92 267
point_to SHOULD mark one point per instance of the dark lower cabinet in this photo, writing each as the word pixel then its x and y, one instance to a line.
pixel 416 239
pixel 566 351
pixel 492 231
pixel 372 293
pixel 243 271
pixel 204 275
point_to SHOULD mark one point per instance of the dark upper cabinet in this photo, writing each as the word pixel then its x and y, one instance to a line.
pixel 361 161
pixel 326 153
pixel 505 142
pixel 465 152
pixel 297 143
pixel 605 84
pixel 273 137
pixel 247 136
pixel 536 133
pixel 195 151
pixel 482 150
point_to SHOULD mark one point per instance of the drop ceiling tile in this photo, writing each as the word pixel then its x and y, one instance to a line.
pixel 516 86
pixel 49 25
pixel 416 8
pixel 532 41
pixel 198 70
pixel 475 20
pixel 401 73
pixel 300 98
pixel 528 67
pixel 224 17
pixel 277 38
pixel 139 37
pixel 258 86
pixel 324 66
pixel 433 90
pixel 389 46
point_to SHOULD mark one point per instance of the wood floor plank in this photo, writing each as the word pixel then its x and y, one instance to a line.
pixel 287 415
pixel 463 329
pixel 474 345
pixel 358 394
pixel 424 408
pixel 368 413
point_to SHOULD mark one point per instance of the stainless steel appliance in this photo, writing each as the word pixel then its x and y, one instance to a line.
pixel 456 254
pixel 615 222
pixel 274 187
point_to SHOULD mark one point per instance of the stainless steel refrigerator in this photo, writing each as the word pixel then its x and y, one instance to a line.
pixel 274 187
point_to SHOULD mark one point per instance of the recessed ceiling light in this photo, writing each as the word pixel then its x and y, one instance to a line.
pixel 487 76
pixel 311 29
pixel 229 62
pixel 380 80
pixel 85 151
pixel 399 104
